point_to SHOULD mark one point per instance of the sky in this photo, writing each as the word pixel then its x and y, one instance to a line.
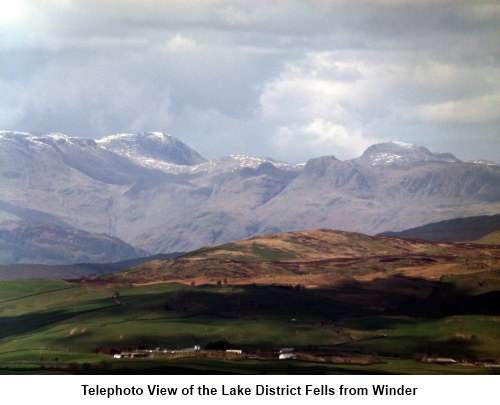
pixel 290 79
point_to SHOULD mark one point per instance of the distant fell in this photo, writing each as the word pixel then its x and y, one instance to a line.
pixel 455 230
pixel 72 271
pixel 312 259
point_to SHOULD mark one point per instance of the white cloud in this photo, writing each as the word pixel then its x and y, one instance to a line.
pixel 314 106
pixel 11 110
pixel 321 137
pixel 333 102
pixel 472 110
pixel 293 78
pixel 13 11
pixel 180 43
pixel 121 102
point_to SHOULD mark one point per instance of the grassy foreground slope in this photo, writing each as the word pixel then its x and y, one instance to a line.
pixel 347 302
pixel 56 327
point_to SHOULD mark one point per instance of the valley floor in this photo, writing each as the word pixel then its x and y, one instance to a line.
pixel 51 326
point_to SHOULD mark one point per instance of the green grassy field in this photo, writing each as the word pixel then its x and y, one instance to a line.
pixel 49 326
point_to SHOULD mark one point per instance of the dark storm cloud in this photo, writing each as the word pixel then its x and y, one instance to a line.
pixel 286 78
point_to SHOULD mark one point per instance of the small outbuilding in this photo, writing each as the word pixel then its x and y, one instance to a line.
pixel 234 351
pixel 287 356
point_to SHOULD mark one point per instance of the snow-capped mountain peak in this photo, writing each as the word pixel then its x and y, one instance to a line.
pixel 401 153
pixel 6 132
pixel 62 140
pixel 115 186
pixel 151 149
pixel 129 137
pixel 58 136
pixel 242 160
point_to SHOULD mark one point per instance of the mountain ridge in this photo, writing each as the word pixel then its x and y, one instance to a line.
pixel 401 153
pixel 162 206
pixel 313 258
pixel 24 242
pixel 152 147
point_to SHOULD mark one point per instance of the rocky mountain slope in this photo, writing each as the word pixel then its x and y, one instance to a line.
pixel 158 195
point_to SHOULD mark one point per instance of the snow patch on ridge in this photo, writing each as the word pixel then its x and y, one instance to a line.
pixel 5 132
pixel 108 139
pixel 484 162
pixel 386 159
pixel 58 136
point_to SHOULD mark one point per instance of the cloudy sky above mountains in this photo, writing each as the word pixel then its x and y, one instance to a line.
pixel 288 79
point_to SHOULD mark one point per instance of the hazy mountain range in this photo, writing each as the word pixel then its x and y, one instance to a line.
pixel 65 199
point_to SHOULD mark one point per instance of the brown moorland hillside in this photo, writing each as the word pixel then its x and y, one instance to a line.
pixel 490 239
pixel 315 259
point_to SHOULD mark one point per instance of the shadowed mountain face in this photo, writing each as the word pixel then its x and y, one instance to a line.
pixel 49 243
pixel 31 236
pixel 314 259
pixel 481 228
pixel 157 194
pixel 72 271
